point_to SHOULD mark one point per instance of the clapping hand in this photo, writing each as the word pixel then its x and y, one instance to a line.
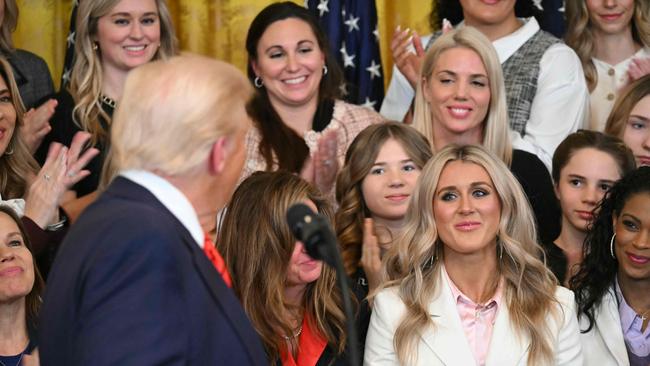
pixel 36 124
pixel 408 62
pixel 62 169
pixel 638 68
pixel 371 254
pixel 322 167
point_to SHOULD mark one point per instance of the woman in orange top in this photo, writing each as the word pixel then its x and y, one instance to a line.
pixel 291 299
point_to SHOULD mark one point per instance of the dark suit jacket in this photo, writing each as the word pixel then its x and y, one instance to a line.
pixel 32 76
pixel 130 286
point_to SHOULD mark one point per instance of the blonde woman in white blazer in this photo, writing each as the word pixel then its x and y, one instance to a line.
pixel 612 287
pixel 469 239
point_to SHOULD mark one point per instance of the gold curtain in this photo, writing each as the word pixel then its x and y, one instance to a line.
pixel 211 27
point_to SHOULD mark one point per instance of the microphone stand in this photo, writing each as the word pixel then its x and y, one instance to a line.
pixel 321 243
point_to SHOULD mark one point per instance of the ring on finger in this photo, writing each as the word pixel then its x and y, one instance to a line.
pixel 70 174
pixel 47 176
pixel 327 162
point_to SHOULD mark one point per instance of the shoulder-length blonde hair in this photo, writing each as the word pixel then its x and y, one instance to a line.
pixel 8 26
pixel 256 244
pixel 87 74
pixel 579 35
pixel 359 160
pixel 16 163
pixel 626 101
pixel 413 263
pixel 496 137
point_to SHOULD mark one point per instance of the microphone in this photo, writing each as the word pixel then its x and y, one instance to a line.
pixel 314 232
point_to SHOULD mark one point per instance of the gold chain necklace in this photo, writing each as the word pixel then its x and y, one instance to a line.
pixel 295 335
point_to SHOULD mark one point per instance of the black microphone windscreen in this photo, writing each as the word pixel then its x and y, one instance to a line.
pixel 296 215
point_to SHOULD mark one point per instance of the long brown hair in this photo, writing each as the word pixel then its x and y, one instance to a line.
pixel 17 165
pixel 359 159
pixel 280 144
pixel 257 244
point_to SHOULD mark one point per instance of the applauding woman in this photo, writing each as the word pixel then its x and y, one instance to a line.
pixel 291 299
pixel 112 37
pixel 300 123
pixel 36 193
pixel 612 39
pixel 460 99
pixel 613 285
pixel 373 191
pixel 463 282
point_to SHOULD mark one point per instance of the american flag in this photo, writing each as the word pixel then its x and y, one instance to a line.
pixel 351 27
pixel 69 49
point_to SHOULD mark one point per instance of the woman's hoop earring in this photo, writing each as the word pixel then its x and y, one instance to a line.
pixel 611 246
pixel 258 82
pixel 325 70
pixel 9 150
pixel 95 46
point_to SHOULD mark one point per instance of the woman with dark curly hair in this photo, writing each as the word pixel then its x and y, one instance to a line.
pixel 612 287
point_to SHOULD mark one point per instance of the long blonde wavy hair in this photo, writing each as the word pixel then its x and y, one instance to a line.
pixel 87 74
pixel 413 264
pixel 580 37
pixel 256 244
pixel 17 165
pixel 496 136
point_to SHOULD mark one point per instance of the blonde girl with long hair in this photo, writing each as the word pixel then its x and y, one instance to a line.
pixel 612 40
pixel 460 98
pixel 112 37
pixel 463 284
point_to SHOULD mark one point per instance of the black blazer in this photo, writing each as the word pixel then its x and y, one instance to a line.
pixel 130 286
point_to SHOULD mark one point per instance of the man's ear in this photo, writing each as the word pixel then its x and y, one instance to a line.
pixel 218 154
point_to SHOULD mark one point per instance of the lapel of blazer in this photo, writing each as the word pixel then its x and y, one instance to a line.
pixel 447 338
pixel 223 296
pixel 507 347
pixel 608 325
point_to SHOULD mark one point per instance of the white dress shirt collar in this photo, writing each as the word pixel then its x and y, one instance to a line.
pixel 172 198
pixel 508 45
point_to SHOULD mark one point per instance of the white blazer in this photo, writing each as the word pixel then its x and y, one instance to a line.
pixel 446 343
pixel 604 343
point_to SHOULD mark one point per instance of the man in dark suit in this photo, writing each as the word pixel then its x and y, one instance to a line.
pixel 131 284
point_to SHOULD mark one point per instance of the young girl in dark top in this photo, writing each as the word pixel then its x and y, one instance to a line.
pixel 585 165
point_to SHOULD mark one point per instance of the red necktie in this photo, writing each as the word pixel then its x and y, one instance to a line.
pixel 216 259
